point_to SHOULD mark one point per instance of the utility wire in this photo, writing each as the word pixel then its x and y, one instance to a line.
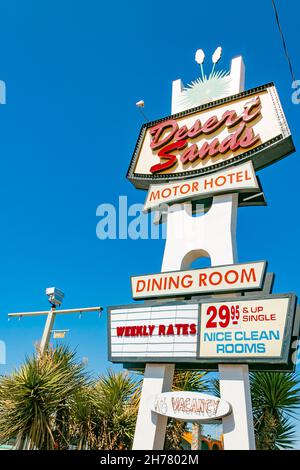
pixel 283 41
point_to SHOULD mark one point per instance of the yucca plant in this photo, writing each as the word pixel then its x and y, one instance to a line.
pixel 115 398
pixel 191 381
pixel 85 422
pixel 37 400
pixel 50 403
pixel 275 399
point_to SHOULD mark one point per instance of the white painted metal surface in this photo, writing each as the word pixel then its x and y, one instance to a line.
pixel 211 235
pixel 47 330
pixel 151 427
pixel 238 431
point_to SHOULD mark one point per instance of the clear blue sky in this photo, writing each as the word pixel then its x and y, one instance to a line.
pixel 74 70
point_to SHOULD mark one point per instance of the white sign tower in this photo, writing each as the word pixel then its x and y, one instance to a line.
pixel 209 149
pixel 212 235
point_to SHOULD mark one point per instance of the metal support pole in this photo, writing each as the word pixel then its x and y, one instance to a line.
pixel 51 318
pixel 238 430
pixel 151 427
pixel 47 330
pixel 196 436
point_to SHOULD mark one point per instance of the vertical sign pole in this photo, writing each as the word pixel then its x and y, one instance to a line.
pixel 220 222
pixel 214 235
pixel 238 428
pixel 151 427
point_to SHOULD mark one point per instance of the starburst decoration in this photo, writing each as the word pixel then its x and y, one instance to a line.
pixel 206 88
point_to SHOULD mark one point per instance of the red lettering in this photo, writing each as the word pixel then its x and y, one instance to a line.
pixel 235 138
pixel 202 279
pixel 161 330
pixel 226 144
pixel 181 133
pixel 140 285
pixel 249 138
pixel 171 159
pixel 159 130
pixel 151 329
pixel 247 277
pixel 170 330
pixel 120 330
pixel 195 130
pixel 185 329
pixel 154 195
pixel 218 280
pixel 256 103
pixel 210 125
pixel 232 280
pixel 190 154
pixel 169 137
pixel 214 148
pixel 204 150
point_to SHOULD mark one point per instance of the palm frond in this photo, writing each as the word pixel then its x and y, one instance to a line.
pixel 277 392
pixel 275 397
pixel 36 400
pixel 193 381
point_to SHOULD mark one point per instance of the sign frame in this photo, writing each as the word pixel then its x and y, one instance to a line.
pixel 275 149
pixel 198 293
pixel 291 332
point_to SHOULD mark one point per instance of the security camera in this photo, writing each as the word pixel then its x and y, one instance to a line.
pixel 140 104
pixel 55 296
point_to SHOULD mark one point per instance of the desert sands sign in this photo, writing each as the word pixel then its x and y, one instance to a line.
pixel 246 126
